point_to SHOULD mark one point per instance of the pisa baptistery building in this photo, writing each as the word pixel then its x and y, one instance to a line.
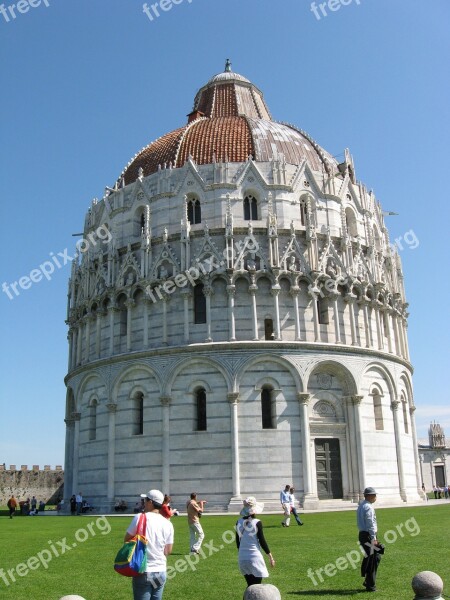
pixel 243 325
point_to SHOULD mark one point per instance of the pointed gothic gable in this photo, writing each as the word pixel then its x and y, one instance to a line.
pixel 166 263
pixel 208 254
pixel 248 249
pixel 250 169
pixel 128 270
pixel 191 172
pixel 293 249
pixel 329 252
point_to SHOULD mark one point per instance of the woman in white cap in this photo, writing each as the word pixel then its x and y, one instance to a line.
pixel 249 540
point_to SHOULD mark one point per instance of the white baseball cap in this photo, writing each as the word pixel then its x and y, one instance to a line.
pixel 155 496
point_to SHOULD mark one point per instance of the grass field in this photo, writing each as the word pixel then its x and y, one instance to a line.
pixel 80 552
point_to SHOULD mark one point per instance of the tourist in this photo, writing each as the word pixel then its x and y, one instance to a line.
pixel 160 536
pixel 194 512
pixel 73 505
pixel 285 501
pixel 293 509
pixel 166 510
pixel 79 501
pixel 33 503
pixel 249 540
pixel 367 525
pixel 12 505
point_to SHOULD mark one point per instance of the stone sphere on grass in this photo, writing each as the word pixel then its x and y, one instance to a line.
pixel 427 585
pixel 72 597
pixel 262 591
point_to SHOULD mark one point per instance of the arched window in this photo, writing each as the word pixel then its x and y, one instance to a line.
pixel 194 211
pixel 350 220
pixel 268 329
pixel 378 410
pixel 200 406
pixel 138 414
pixel 93 420
pixel 303 212
pixel 267 409
pixel 250 208
pixel 322 311
pixel 142 222
pixel 199 304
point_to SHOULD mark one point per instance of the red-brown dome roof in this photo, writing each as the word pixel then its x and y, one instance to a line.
pixel 230 121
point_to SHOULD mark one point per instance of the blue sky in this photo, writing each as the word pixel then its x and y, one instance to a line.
pixel 87 83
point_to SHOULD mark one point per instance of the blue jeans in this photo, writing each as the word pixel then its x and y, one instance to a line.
pixel 149 586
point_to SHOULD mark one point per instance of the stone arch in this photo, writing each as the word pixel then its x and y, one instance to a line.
pixel 198 384
pixel 405 382
pixel 275 359
pixel 127 371
pixel 84 383
pixel 351 221
pixel 139 219
pixel 338 370
pixel 172 376
pixel 267 382
pixel 386 375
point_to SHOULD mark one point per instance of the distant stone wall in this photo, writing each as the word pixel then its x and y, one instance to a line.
pixel 46 484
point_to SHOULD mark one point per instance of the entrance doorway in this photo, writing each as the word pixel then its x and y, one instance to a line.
pixel 328 469
pixel 439 475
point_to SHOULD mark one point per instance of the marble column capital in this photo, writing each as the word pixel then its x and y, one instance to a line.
pixel 233 397
pixel 111 406
pixel 69 422
pixel 303 398
pixel 76 416
pixel 231 290
pixel 165 400
pixel 412 410
pixel 130 303
pixel 395 404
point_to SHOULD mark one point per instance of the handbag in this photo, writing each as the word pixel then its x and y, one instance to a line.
pixel 131 560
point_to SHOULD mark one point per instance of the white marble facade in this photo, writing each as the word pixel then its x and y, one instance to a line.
pixel 238 316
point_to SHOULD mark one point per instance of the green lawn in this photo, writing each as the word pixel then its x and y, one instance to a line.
pixel 80 552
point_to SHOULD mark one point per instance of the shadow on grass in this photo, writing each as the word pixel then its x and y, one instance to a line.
pixel 327 592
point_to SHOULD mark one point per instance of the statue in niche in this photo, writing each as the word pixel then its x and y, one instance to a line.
pixel 251 264
pixel 163 273
pixel 292 266
pixel 130 278
pixel 332 270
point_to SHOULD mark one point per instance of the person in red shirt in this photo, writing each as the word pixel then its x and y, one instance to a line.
pixel 166 510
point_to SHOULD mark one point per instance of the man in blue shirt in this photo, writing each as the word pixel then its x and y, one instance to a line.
pixel 285 500
pixel 367 525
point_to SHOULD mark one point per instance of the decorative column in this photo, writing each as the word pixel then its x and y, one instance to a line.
pixel 79 341
pixel 350 299
pixel 111 311
pixel 352 453
pixel 68 460
pixel 337 327
pixel 367 332
pixel 87 329
pixel 419 478
pixel 313 292
pixel 112 407
pixel 98 328
pixel 361 461
pixel 76 444
pixel 231 291
pixel 252 290
pixel 309 497
pixel 404 326
pixel 129 304
pixel 207 291
pixel 70 337
pixel 392 339
pixel 377 320
pixel 398 446
pixel 74 347
pixel 186 294
pixel 295 290
pixel 165 403
pixel 145 308
pixel 233 399
pixel 275 293
pixel 165 300
pixel 397 335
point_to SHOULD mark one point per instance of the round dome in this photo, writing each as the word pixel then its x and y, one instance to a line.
pixel 230 122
